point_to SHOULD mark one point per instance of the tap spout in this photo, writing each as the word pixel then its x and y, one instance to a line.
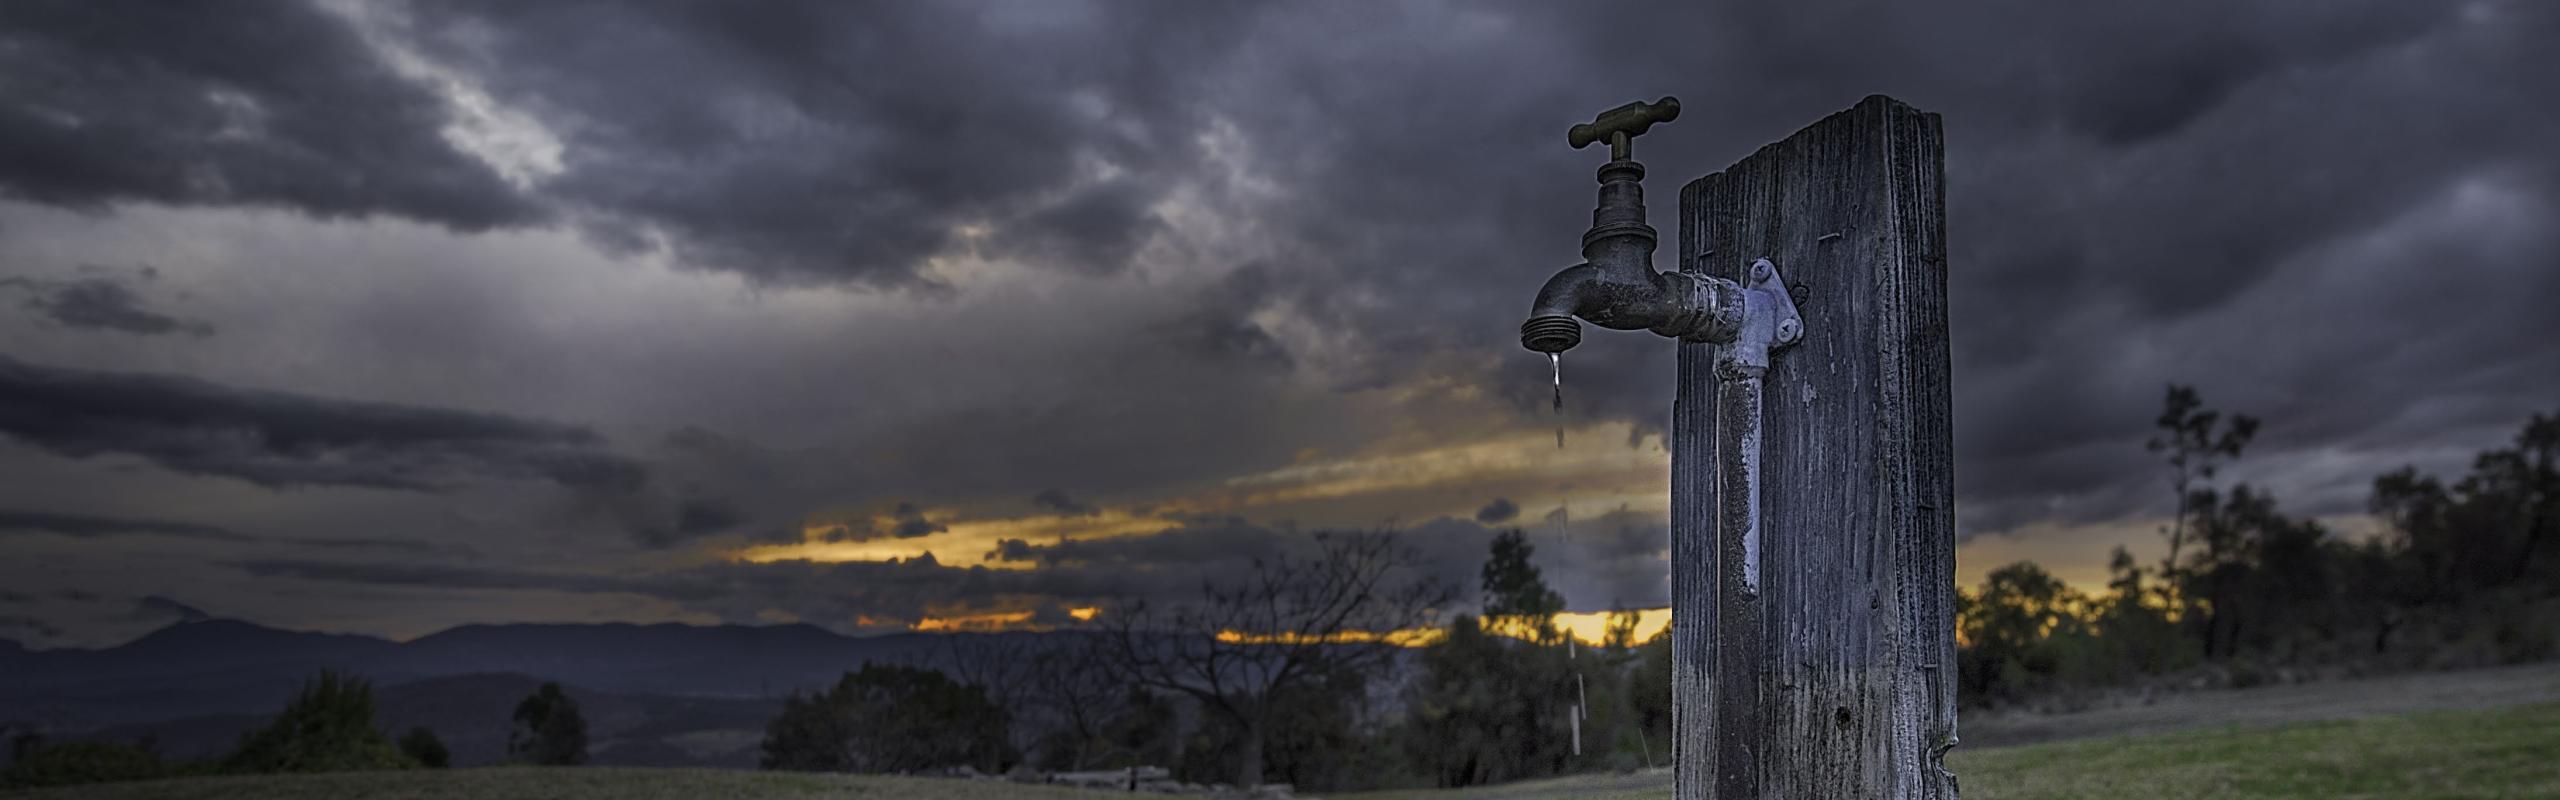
pixel 1667 303
pixel 1616 286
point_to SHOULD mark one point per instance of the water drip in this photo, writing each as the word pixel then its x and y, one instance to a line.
pixel 1564 514
pixel 1579 710
pixel 1556 360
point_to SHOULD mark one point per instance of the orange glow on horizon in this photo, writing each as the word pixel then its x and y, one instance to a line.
pixel 989 622
pixel 1602 471
pixel 1592 627
pixel 1589 628
pixel 962 542
pixel 995 621
pixel 1416 637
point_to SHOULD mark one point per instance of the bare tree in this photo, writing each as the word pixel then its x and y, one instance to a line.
pixel 1002 666
pixel 1077 690
pixel 1286 625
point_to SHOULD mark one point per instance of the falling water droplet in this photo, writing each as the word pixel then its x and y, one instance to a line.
pixel 1556 360
pixel 1564 515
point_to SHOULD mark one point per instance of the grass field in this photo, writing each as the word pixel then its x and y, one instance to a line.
pixel 2497 753
pixel 580 783
pixel 2471 753
pixel 2511 752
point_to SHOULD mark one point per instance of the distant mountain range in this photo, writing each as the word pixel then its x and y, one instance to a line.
pixel 653 694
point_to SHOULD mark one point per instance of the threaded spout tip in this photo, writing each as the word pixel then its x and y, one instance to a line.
pixel 1550 333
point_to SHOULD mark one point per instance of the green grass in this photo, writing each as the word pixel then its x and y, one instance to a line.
pixel 1640 786
pixel 2510 752
pixel 556 783
pixel 2497 753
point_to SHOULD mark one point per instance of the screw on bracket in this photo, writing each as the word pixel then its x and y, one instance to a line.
pixel 1768 322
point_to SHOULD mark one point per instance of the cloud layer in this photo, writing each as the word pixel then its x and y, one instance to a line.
pixel 1064 292
pixel 280 440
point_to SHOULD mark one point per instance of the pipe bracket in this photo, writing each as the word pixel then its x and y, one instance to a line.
pixel 1765 322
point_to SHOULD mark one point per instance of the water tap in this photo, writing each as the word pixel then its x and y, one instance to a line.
pixel 1616 286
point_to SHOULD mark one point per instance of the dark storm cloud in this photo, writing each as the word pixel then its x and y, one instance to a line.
pixel 1189 545
pixel 19 520
pixel 849 142
pixel 32 624
pixel 86 527
pixel 277 440
pixel 1497 512
pixel 102 303
pixel 1220 324
pixel 897 591
pixel 455 576
pixel 159 607
pixel 409 546
pixel 1058 501
pixel 726 455
pixel 2088 270
pixel 727 485
pixel 908 522
pixel 2121 177
pixel 272 104
pixel 2115 172
pixel 2337 216
pixel 705 516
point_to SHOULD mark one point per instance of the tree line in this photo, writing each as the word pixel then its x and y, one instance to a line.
pixel 327 727
pixel 1323 672
pixel 2463 573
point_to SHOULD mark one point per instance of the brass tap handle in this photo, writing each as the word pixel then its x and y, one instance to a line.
pixel 1618 125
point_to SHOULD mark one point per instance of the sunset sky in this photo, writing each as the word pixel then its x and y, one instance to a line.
pixel 384 317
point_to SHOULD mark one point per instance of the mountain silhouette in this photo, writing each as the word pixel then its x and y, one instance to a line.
pixel 217 667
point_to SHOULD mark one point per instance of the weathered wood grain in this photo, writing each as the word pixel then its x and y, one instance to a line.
pixel 1838 679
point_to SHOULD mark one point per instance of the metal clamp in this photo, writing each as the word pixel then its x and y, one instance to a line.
pixel 1766 321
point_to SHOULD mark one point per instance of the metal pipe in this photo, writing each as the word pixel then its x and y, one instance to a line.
pixel 1738 469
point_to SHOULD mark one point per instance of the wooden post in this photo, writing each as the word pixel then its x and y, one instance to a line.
pixel 1836 678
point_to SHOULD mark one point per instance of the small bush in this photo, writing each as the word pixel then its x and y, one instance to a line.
pixel 328 728
pixel 548 730
pixel 421 744
pixel 890 719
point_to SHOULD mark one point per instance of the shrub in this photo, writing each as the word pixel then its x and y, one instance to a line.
pixel 327 728
pixel 890 719
pixel 548 730
pixel 421 744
